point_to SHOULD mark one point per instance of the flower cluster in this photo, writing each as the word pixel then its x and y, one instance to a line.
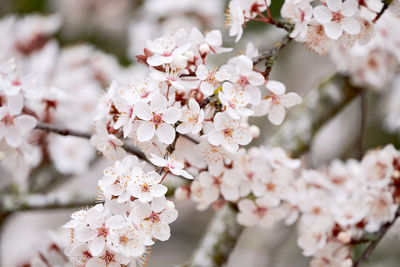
pixel 135 214
pixel 182 95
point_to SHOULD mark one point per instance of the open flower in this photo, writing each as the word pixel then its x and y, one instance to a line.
pixel 235 19
pixel 172 164
pixel 146 186
pixel 228 133
pixel 338 16
pixel 210 79
pixel 235 100
pixel 275 104
pixel 157 118
pixel 192 118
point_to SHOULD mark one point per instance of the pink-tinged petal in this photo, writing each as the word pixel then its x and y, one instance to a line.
pixel 205 179
pixel 158 204
pixel 171 115
pixel 15 103
pixel 145 131
pixel 256 78
pixel 13 136
pixel 244 65
pixel 156 60
pixel 230 193
pixel 142 110
pixel 290 99
pixel 165 133
pixel 184 128
pixel 25 123
pixel 333 30
pixel 246 205
pixel 169 215
pixel 214 38
pixel 207 88
pixel 186 175
pixel 3 112
pixel 276 87
pixel 334 5
pixel 322 14
pixel 215 137
pixel 351 26
pixel 202 72
pixel 158 104
pixel 85 234
pixel 277 114
pixel 247 219
pixel 115 222
pixel 349 8
pixel 96 246
pixel 242 136
pixel 159 190
pixel 158 161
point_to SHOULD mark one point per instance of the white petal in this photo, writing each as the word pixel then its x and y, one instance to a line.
pixel 158 204
pixel 256 78
pixel 158 104
pixel 334 5
pixel 165 133
pixel 169 215
pixel 247 219
pixel 276 87
pixel 171 115
pixel 242 137
pixel 25 123
pixel 244 65
pixel 290 99
pixel 115 221
pixel 159 190
pixel 13 136
pixel 349 8
pixel 322 14
pixel 333 30
pixel 202 72
pixel 15 104
pixel 158 161
pixel 215 137
pixel 85 234
pixel 142 110
pixel 276 114
pixel 351 25
pixel 214 38
pixel 145 131
pixel 207 88
pixel 97 246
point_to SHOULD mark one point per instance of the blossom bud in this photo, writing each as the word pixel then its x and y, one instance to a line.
pixel 255 131
pixel 180 61
pixel 204 49
pixel 182 193
pixel 189 54
pixel 344 237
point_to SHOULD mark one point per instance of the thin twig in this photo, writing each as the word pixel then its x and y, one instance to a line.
pixel 380 234
pixel 363 121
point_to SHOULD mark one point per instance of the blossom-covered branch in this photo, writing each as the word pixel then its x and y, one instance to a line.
pixel 320 106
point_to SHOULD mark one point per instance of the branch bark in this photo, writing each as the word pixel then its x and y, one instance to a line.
pixel 295 136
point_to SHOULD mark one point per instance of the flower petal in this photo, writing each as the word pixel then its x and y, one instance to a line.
pixel 277 114
pixel 165 133
pixel 145 131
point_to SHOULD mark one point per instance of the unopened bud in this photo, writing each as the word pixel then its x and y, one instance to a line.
pixel 344 237
pixel 189 54
pixel 255 131
pixel 204 49
pixel 180 61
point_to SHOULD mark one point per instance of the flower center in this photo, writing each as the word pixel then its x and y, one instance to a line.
pixel 108 257
pixel 228 132
pixel 243 81
pixel 8 120
pixel 123 240
pixel 102 231
pixel 337 16
pixel 157 119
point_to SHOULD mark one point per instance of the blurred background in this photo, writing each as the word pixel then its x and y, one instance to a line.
pixel 120 28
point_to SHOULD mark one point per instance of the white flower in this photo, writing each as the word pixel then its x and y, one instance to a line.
pixel 117 178
pixel 276 103
pixel 209 80
pixel 235 19
pixel 146 186
pixel 192 118
pixel 157 118
pixel 299 12
pixel 166 48
pixel 154 219
pixel 108 144
pixel 338 16
pixel 212 41
pixel 13 124
pixel 263 212
pixel 235 101
pixel 128 240
pixel 228 133
pixel 241 70
pixel 172 164
pixel 333 254
pixel 108 258
pixel 227 183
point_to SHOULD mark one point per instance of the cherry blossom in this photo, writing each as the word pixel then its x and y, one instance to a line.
pixel 191 119
pixel 337 17
pixel 235 100
pixel 228 133
pixel 157 118
pixel 171 164
pixel 146 186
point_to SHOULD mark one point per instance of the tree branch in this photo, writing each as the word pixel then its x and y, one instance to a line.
pixel 295 136
pixel 379 235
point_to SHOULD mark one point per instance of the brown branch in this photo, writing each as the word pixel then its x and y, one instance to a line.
pixel 386 4
pixel 379 235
